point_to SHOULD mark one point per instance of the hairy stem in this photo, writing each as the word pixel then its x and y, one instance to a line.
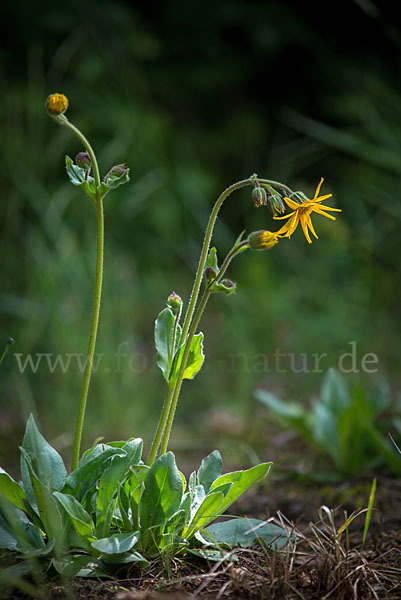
pixel 62 119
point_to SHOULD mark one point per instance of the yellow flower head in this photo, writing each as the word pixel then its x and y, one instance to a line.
pixel 301 213
pixel 262 240
pixel 56 104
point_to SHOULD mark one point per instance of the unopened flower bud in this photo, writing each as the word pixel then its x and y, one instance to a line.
pixel 83 160
pixel 174 302
pixel 56 104
pixel 116 172
pixel 227 286
pixel 262 240
pixel 276 204
pixel 210 273
pixel 259 196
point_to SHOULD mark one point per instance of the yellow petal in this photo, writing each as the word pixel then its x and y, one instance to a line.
pixel 284 217
pixel 322 198
pixel 309 222
pixel 291 203
pixel 318 188
pixel 329 208
pixel 304 223
pixel 320 212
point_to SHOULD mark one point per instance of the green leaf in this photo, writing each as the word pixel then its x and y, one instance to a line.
pixel 12 490
pixel 209 510
pixel 164 331
pixel 71 565
pixel 334 393
pixel 162 494
pixel 125 558
pixel 80 519
pixel 46 462
pixel 210 469
pixel 8 541
pixel 112 476
pixel 241 481
pixel 75 173
pixel 117 543
pixel 290 413
pixel 211 260
pixel 79 177
pixel 245 532
pixel 47 507
pixel 115 178
pixel 14 522
pixel 213 555
pixel 195 358
pixel 90 470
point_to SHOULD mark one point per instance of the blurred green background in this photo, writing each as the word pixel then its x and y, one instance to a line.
pixel 194 96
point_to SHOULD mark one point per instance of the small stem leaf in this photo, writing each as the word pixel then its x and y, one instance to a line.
pixel 195 358
pixel 79 176
pixel 164 331
pixel 211 260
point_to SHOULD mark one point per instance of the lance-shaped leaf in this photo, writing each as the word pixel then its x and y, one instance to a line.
pixel 12 490
pixel 46 462
pixel 210 470
pixel 80 519
pixel 162 494
pixel 165 348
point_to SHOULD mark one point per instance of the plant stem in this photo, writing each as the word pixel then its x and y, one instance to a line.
pixel 162 424
pixel 205 250
pixel 62 119
pixel 173 398
pixel 93 332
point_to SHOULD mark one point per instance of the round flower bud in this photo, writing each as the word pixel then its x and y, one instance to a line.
pixel 259 196
pixel 262 240
pixel 83 160
pixel 174 302
pixel 210 273
pixel 116 172
pixel 56 104
pixel 227 286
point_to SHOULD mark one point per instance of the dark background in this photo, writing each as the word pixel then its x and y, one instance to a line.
pixel 194 96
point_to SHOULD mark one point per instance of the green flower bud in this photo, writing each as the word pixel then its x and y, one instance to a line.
pixel 276 204
pixel 174 302
pixel 116 172
pixel 262 240
pixel 83 160
pixel 210 273
pixel 259 196
pixel 228 287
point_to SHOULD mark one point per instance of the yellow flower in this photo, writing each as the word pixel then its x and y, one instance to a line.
pixel 302 214
pixel 56 104
pixel 262 240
